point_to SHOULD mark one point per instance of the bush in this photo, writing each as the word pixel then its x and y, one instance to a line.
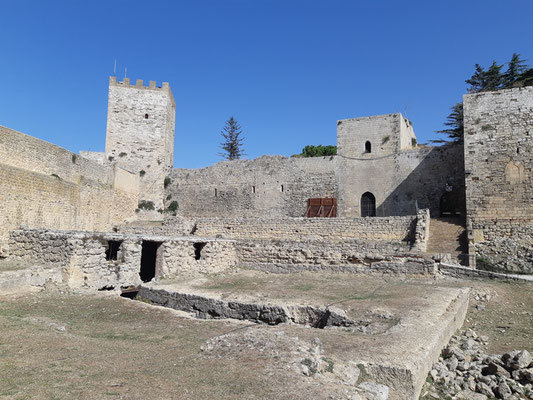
pixel 146 205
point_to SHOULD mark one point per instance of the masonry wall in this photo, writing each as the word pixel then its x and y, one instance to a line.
pixel 499 184
pixel 397 229
pixel 42 185
pixel 81 256
pixel 400 175
pixel 269 186
pixel 140 134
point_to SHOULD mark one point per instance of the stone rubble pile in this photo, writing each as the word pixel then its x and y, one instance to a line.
pixel 465 372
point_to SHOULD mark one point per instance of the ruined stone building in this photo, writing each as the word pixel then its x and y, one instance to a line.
pixel 380 183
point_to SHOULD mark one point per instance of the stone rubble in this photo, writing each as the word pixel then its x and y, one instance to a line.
pixel 465 371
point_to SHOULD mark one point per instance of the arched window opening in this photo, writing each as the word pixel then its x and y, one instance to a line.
pixel 145 116
pixel 368 147
pixel 368 205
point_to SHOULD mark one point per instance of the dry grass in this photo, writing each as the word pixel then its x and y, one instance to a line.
pixel 116 348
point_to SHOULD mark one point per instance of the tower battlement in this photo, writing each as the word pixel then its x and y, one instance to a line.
pixel 139 84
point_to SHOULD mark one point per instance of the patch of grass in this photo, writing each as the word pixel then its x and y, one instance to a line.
pixel 486 127
pixel 309 364
pixel 329 367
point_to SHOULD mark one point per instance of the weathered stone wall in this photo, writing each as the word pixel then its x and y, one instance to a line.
pixel 399 175
pixel 269 186
pixel 180 257
pixel 82 256
pixel 349 256
pixel 26 152
pixel 499 184
pixel 140 134
pixel 397 229
pixel 43 185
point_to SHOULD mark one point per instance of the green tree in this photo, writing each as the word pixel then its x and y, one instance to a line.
pixel 317 151
pixel 515 68
pixel 232 145
pixel 517 74
pixel 454 122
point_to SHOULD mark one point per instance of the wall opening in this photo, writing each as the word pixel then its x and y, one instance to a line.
pixel 368 147
pixel 149 260
pixel 282 188
pixel 145 116
pixel 198 247
pixel 368 205
pixel 216 193
pixel 450 204
pixel 113 246
pixel 253 189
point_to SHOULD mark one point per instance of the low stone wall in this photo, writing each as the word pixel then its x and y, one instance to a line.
pixel 350 256
pixel 394 229
pixel 82 256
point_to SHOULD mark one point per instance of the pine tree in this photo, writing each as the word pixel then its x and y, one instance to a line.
pixel 494 77
pixel 515 68
pixel 478 81
pixel 455 123
pixel 232 145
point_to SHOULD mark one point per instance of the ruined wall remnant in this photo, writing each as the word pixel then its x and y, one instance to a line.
pixel 43 185
pixel 140 135
pixel 499 185
pixel 97 260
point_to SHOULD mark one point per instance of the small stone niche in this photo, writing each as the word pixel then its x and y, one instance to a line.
pixel 113 247
pixel 198 247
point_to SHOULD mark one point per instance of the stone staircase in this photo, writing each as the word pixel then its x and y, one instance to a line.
pixel 447 235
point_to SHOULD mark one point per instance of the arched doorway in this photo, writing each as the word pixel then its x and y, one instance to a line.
pixel 368 205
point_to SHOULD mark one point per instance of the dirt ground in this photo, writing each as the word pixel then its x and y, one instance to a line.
pixel 56 345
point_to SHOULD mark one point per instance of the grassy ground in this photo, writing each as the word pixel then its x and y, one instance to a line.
pixel 57 346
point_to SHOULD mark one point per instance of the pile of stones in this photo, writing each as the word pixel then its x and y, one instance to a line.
pixel 465 372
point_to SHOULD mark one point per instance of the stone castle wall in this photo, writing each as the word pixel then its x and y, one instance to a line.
pixel 269 186
pixel 499 184
pixel 43 185
pixel 399 174
pixel 140 134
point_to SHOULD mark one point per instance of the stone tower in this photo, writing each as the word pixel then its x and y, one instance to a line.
pixel 140 137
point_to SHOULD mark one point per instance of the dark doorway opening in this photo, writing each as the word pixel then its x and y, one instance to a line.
pixel 111 254
pixel 450 204
pixel 149 260
pixel 368 147
pixel 368 205
pixel 198 250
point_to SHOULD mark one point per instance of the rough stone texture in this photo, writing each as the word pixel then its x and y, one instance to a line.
pixel 400 176
pixel 499 185
pixel 81 256
pixel 215 256
pixel 393 229
pixel 43 185
pixel 140 134
pixel 465 371
pixel 269 186
pixel 398 173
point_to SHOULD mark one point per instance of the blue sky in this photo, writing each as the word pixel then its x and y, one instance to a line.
pixel 286 70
